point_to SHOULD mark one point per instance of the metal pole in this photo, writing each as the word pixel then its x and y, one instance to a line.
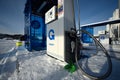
pixel 78 15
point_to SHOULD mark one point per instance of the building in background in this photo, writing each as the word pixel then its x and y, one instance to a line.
pixel 114 29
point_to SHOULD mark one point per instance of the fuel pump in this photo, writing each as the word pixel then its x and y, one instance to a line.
pixel 60 43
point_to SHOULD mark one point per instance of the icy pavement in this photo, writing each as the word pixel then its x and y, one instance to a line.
pixel 19 64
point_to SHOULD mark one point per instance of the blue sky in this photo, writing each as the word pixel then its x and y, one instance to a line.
pixel 12 16
pixel 96 10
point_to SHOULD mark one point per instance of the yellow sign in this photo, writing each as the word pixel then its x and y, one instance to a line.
pixel 19 43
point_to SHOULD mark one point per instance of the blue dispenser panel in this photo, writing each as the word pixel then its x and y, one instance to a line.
pixel 38 33
pixel 85 37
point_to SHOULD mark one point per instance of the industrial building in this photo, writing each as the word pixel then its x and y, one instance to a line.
pixel 114 29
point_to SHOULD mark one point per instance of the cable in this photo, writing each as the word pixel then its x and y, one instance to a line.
pixel 106 53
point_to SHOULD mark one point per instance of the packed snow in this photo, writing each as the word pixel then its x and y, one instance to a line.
pixel 16 63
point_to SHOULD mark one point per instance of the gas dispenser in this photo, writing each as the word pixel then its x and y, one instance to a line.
pixel 60 20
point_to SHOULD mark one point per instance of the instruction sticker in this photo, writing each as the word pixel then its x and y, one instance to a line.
pixel 60 8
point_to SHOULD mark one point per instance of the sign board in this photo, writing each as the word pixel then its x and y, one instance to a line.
pixel 101 32
pixel 50 15
pixel 104 39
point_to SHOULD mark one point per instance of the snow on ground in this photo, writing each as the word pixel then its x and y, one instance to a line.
pixel 6 45
pixel 16 63
pixel 39 66
pixel 7 59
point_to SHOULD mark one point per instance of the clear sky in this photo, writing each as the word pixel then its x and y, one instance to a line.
pixel 12 16
pixel 96 10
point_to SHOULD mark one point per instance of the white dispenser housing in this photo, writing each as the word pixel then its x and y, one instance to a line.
pixel 58 42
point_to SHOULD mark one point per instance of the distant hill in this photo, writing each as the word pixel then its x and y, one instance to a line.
pixel 9 36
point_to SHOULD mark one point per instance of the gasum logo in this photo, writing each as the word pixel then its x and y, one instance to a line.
pixel 51 34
